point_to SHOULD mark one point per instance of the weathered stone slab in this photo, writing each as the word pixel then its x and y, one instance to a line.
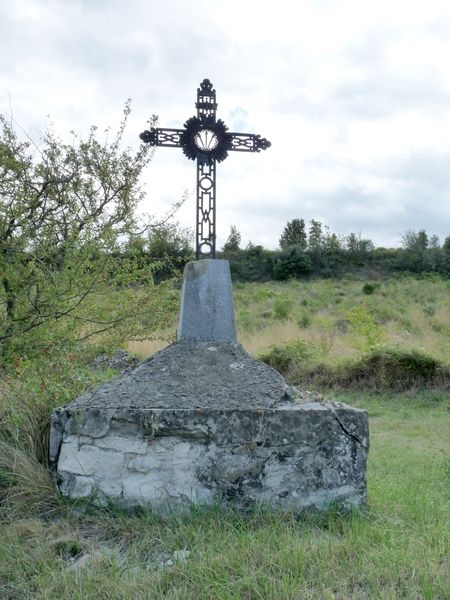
pixel 205 423
pixel 294 456
pixel 207 312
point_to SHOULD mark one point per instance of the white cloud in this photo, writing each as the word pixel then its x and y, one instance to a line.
pixel 354 96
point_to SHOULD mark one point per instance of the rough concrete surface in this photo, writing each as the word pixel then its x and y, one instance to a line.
pixel 206 423
pixel 193 375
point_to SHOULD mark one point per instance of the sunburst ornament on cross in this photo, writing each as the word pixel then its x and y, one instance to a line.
pixel 208 141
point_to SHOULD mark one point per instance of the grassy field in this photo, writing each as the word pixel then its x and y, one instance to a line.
pixel 398 548
pixel 340 319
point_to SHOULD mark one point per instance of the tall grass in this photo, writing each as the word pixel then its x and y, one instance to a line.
pixel 341 321
pixel 337 318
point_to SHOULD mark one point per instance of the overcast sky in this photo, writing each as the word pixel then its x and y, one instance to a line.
pixel 353 94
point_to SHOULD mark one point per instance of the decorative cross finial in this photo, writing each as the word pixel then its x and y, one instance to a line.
pixel 208 141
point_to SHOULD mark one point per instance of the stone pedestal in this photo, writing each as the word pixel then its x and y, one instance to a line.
pixel 202 422
pixel 207 312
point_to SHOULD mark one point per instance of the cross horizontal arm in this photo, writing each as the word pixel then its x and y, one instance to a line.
pixel 248 142
pixel 158 136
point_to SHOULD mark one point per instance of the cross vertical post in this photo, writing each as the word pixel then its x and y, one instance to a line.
pixel 205 246
pixel 208 141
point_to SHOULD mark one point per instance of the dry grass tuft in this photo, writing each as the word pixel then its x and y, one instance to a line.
pixel 25 485
pixel 26 488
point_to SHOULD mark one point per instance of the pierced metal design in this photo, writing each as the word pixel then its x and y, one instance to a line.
pixel 206 87
pixel 208 141
pixel 206 104
pixel 203 128
pixel 206 209
pixel 248 142
pixel 157 136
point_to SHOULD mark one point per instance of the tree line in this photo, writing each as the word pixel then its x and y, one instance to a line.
pixel 314 250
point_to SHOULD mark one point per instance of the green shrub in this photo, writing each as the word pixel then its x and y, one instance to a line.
pixel 282 306
pixel 370 287
pixel 399 369
pixel 245 320
pixel 266 314
pixel 292 262
pixel 341 325
pixel 289 358
pixel 429 310
pixel 261 293
pixel 383 369
pixel 304 321
pixel 362 321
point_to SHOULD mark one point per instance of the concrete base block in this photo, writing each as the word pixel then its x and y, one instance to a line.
pixel 203 424
pixel 293 457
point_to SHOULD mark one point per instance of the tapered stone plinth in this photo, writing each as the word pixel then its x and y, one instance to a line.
pixel 207 312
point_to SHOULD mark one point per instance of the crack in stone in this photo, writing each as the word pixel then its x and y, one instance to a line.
pixel 191 434
pixel 345 430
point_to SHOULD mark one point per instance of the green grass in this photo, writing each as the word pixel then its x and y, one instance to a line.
pixel 339 320
pixel 399 548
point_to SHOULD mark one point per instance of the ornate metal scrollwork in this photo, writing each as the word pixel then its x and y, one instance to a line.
pixel 149 137
pixel 159 136
pixel 248 142
pixel 206 87
pixel 261 143
pixel 220 139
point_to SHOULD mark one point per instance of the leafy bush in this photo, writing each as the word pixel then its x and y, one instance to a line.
pixel 397 370
pixel 287 359
pixel 282 306
pixel 252 264
pixel 361 319
pixel 292 262
pixel 69 242
pixel 304 321
pixel 429 310
pixel 370 287
pixel 381 369
pixel 260 293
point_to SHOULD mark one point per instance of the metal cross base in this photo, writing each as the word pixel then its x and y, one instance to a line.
pixel 208 141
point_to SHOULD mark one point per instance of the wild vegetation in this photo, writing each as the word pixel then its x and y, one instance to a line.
pixel 382 334
pixel 346 333
pixel 379 343
pixel 71 244
pixel 318 252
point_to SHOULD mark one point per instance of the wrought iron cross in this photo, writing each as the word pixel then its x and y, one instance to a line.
pixel 209 141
